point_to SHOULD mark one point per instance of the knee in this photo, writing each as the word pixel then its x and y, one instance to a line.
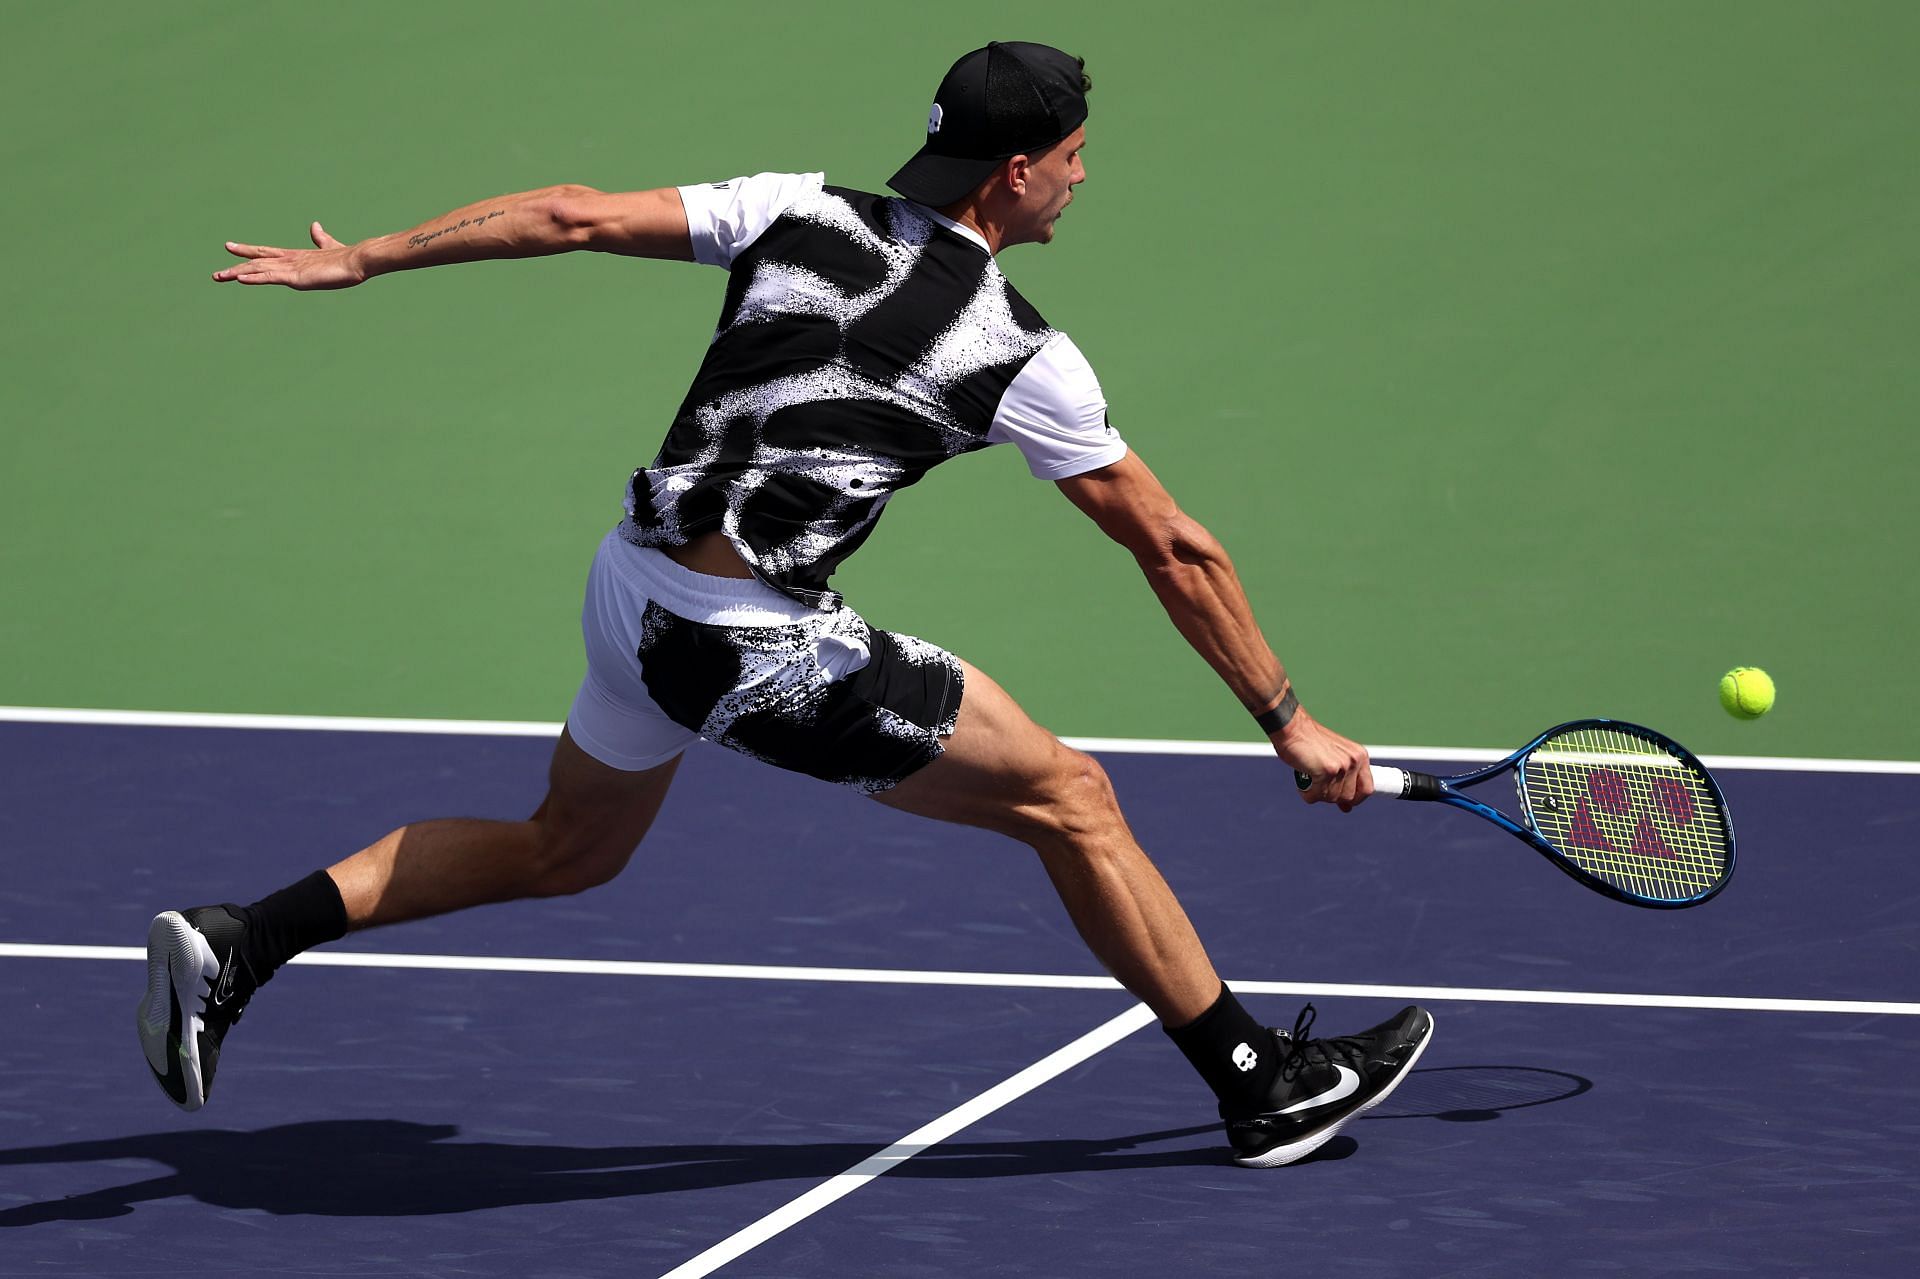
pixel 572 861
pixel 1076 809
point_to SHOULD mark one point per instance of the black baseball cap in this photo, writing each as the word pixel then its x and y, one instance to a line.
pixel 1006 99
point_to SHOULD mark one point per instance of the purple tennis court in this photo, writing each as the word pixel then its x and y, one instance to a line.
pixel 675 1073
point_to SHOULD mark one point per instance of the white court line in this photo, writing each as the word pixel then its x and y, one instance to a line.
pixel 1007 981
pixel 993 1099
pixel 1108 745
pixel 297 723
pixel 920 1139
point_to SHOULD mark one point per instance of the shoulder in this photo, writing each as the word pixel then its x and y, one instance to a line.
pixel 1056 413
pixel 1059 374
pixel 725 218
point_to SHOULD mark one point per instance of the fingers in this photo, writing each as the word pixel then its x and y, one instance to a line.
pixel 1355 783
pixel 252 272
pixel 1328 788
pixel 1341 788
pixel 305 270
pixel 248 272
pixel 1340 775
pixel 325 266
pixel 260 271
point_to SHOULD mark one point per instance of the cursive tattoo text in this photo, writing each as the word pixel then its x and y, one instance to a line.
pixel 424 238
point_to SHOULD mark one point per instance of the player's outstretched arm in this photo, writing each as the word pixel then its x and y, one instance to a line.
pixel 530 224
pixel 1196 583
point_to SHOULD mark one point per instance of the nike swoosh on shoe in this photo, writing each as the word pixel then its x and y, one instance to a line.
pixel 225 992
pixel 1348 1084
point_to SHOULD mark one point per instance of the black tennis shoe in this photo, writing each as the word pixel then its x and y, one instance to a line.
pixel 1323 1083
pixel 198 983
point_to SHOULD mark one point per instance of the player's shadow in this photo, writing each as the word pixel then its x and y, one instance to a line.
pixel 394 1168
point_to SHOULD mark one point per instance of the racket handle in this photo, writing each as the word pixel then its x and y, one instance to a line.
pixel 1393 783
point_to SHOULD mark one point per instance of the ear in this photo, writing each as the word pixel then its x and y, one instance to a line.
pixel 1018 170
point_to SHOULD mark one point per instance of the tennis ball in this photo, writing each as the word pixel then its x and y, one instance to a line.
pixel 1746 692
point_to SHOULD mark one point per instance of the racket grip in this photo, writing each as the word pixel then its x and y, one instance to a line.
pixel 1394 783
pixel 1404 783
pixel 1391 782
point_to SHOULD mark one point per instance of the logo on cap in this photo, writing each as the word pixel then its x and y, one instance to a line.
pixel 934 117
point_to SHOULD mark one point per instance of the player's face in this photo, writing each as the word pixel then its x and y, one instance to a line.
pixel 1050 182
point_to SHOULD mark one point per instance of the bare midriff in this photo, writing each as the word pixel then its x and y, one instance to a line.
pixel 709 553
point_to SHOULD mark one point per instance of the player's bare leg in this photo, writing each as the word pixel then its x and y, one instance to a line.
pixel 582 835
pixel 203 964
pixel 1282 1095
pixel 1003 772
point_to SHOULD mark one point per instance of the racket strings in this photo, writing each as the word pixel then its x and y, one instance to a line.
pixel 1628 811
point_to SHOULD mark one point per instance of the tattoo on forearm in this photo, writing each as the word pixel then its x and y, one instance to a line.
pixel 425 238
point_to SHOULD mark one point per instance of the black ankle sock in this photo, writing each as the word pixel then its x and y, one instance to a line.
pixel 298 917
pixel 1236 1055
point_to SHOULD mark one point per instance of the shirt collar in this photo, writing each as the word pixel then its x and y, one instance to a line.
pixel 961 228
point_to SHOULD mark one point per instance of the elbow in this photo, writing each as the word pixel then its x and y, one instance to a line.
pixel 571 212
pixel 1176 544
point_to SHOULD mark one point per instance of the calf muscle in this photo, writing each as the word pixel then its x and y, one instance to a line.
pixel 1004 773
pixel 583 834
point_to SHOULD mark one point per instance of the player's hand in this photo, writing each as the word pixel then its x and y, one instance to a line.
pixel 328 265
pixel 1338 767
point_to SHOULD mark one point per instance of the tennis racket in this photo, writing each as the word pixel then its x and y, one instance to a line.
pixel 1625 810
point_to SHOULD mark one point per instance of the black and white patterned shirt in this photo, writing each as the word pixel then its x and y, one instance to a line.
pixel 864 340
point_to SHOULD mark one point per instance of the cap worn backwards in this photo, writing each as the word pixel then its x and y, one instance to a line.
pixel 996 102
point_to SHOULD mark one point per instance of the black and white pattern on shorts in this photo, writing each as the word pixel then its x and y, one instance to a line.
pixel 762 691
pixel 861 344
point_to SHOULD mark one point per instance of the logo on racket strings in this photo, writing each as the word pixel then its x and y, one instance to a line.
pixel 1631 815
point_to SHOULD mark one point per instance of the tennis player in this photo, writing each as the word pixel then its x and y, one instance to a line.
pixel 863 340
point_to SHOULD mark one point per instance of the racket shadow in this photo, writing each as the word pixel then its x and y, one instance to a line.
pixel 1474 1094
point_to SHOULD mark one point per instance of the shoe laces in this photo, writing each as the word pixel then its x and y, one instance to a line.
pixel 1302 1052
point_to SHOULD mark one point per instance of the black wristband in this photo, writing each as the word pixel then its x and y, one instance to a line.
pixel 1272 721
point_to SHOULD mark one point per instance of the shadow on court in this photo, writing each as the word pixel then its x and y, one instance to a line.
pixel 394 1168
pixel 1467 1094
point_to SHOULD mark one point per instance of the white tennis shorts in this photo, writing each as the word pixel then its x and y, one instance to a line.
pixel 674 655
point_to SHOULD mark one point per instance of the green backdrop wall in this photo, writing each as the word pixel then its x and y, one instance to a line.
pixel 1533 360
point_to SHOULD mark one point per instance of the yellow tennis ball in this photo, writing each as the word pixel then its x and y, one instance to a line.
pixel 1746 692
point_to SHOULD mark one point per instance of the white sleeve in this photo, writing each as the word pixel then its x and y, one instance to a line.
pixel 1056 414
pixel 723 218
